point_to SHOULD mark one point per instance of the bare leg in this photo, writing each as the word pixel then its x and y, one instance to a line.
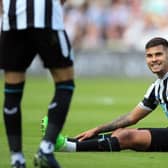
pixel 14 77
pixel 63 74
pixel 59 106
pixel 134 139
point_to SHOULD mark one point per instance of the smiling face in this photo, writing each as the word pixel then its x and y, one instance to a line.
pixel 157 59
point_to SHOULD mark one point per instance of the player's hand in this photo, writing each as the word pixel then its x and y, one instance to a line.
pixel 86 134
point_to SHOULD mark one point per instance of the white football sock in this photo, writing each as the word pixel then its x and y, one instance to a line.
pixel 17 156
pixel 47 147
pixel 68 147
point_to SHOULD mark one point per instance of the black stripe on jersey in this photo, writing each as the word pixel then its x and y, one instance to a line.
pixel 48 13
pixel 12 14
pixel 30 13
pixel 150 101
pixel 164 92
pixel 159 94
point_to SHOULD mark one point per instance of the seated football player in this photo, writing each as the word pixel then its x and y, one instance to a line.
pixel 120 136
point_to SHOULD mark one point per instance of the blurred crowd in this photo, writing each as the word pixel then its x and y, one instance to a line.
pixel 115 24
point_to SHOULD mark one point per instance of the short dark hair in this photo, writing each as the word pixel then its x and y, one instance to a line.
pixel 156 41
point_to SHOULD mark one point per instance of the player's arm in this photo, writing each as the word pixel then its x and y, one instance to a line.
pixel 126 120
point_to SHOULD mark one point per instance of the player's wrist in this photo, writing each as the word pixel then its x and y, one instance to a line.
pixel 96 130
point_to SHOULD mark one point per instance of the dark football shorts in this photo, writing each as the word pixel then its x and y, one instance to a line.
pixel 159 141
pixel 18 48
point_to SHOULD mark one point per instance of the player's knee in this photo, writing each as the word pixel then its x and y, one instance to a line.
pixel 13 94
pixel 14 77
pixel 68 85
pixel 134 139
pixel 63 74
pixel 126 137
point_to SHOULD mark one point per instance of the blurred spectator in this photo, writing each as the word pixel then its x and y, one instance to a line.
pixel 117 17
pixel 151 22
pixel 115 24
pixel 94 24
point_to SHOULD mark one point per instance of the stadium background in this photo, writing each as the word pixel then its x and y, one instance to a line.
pixel 108 36
pixel 111 77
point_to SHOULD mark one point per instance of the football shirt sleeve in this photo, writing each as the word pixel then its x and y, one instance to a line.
pixel 149 101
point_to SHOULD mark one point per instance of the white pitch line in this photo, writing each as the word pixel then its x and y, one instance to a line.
pixel 104 100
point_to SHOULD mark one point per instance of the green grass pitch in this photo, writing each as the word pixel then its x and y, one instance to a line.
pixel 95 101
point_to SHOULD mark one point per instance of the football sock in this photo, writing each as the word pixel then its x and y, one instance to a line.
pixel 68 147
pixel 58 109
pixel 108 144
pixel 87 145
pixel 17 156
pixel 46 146
pixel 103 144
pixel 12 115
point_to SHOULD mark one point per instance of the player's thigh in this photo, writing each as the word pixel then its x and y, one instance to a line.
pixel 16 51
pixel 159 139
pixel 55 49
pixel 133 138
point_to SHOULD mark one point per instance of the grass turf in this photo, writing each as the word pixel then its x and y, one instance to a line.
pixel 95 101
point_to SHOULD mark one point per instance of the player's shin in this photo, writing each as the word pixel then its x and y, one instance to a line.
pixel 103 144
pixel 58 109
pixel 12 115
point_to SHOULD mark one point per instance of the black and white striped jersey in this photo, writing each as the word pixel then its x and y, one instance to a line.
pixel 157 94
pixel 23 14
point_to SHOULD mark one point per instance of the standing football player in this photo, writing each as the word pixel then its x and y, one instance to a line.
pixel 31 27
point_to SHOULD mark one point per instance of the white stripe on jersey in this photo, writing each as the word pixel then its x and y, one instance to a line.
pixel 167 89
pixel 157 88
pixel 39 13
pixel 57 17
pixel 5 18
pixel 149 90
pixel 20 12
pixel 39 10
pixel 160 93
pixel 63 43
